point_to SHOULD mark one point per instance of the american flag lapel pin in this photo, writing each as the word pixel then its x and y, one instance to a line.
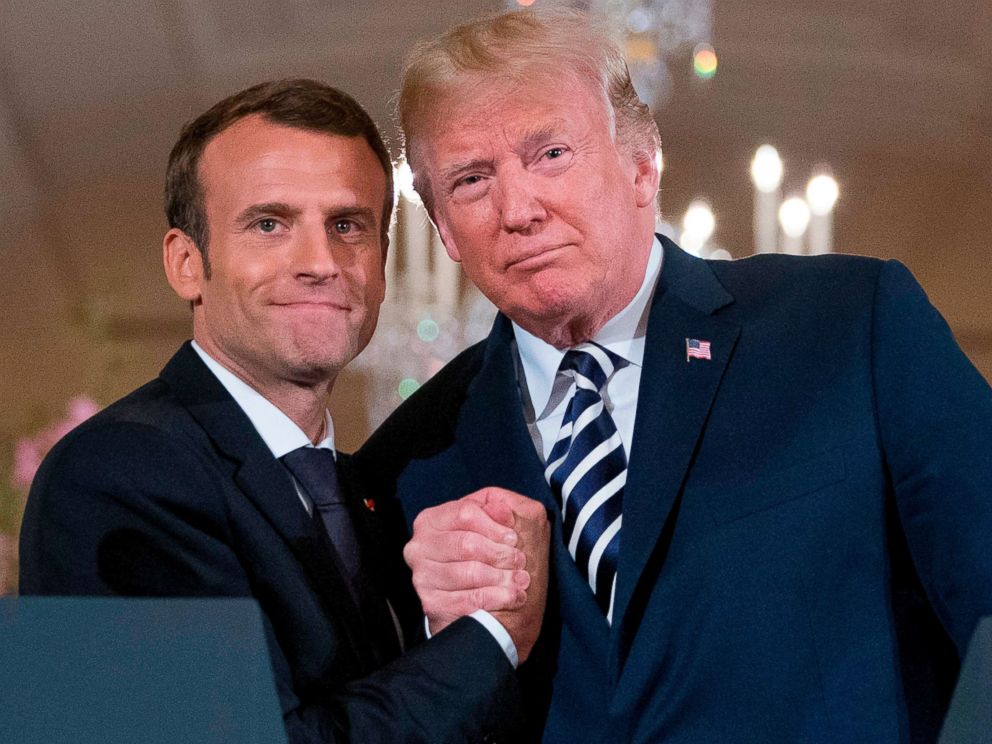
pixel 696 348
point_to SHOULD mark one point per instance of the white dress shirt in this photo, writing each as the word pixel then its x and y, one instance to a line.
pixel 546 392
pixel 279 432
pixel 281 435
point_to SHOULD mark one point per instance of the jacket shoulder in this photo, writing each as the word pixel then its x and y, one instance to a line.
pixel 839 278
pixel 425 422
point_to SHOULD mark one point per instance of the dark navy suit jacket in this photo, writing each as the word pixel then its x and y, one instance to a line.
pixel 172 492
pixel 807 522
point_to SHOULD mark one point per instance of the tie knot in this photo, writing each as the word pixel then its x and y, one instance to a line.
pixel 592 365
pixel 316 471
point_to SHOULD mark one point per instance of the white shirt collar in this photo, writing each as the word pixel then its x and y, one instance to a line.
pixel 623 334
pixel 277 430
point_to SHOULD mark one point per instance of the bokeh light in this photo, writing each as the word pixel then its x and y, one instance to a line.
pixel 428 330
pixel 403 178
pixel 766 169
pixel 639 20
pixel 704 61
pixel 821 193
pixel 407 387
pixel 793 215
pixel 699 220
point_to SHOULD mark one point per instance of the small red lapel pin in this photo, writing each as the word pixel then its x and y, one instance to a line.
pixel 370 504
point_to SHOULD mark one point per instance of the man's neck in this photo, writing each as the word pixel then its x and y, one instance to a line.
pixel 305 404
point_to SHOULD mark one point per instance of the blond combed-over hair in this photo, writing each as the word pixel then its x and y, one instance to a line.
pixel 520 46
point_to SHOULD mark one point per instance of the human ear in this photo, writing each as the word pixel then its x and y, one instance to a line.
pixel 183 264
pixel 646 179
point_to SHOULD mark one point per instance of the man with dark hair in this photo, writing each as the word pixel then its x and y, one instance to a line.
pixel 300 104
pixel 220 479
pixel 770 479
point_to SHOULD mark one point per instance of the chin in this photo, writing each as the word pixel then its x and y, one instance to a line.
pixel 556 302
pixel 316 366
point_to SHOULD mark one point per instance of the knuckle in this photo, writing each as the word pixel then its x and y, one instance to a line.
pixel 420 522
pixel 531 509
pixel 476 574
pixel 503 556
pixel 466 511
pixel 468 543
pixel 477 598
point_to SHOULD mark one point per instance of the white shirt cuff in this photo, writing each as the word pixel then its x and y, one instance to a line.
pixel 496 630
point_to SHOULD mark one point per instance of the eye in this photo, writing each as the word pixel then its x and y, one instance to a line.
pixel 344 227
pixel 554 153
pixel 267 225
pixel 470 187
pixel 468 181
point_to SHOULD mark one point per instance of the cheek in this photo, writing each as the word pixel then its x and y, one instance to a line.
pixel 244 278
pixel 366 282
pixel 474 224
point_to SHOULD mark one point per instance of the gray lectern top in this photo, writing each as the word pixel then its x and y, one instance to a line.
pixel 135 671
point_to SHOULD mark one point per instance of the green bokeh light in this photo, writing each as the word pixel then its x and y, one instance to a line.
pixel 428 330
pixel 704 61
pixel 407 387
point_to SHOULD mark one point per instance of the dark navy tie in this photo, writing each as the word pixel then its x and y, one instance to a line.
pixel 316 472
pixel 587 470
pixel 315 469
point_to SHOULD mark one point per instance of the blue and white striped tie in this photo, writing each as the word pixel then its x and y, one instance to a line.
pixel 587 470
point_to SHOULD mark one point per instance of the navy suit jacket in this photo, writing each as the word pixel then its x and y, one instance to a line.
pixel 807 521
pixel 172 492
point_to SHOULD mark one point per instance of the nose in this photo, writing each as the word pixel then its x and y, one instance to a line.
pixel 313 255
pixel 520 202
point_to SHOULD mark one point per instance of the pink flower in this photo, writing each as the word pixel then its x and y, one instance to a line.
pixel 30 451
pixel 27 459
pixel 81 408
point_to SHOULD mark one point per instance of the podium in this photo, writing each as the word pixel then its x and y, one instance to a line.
pixel 969 718
pixel 136 671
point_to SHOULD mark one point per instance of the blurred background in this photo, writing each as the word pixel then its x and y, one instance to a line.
pixel 892 99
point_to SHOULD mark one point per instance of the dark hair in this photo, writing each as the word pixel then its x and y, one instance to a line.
pixel 297 103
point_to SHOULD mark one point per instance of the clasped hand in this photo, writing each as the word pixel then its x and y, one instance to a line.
pixel 488 551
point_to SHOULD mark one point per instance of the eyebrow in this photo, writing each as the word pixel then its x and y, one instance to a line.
pixel 452 172
pixel 281 209
pixel 254 211
pixel 539 136
pixel 364 213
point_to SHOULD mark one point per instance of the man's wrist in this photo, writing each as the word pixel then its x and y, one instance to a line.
pixel 496 630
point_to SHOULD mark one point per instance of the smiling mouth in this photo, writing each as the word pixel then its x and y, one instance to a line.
pixel 314 305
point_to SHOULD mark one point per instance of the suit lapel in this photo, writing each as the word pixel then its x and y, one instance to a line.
pixel 495 445
pixel 387 637
pixel 674 400
pixel 267 484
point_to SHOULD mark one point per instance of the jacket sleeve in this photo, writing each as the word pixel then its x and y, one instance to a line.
pixel 125 509
pixel 934 414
